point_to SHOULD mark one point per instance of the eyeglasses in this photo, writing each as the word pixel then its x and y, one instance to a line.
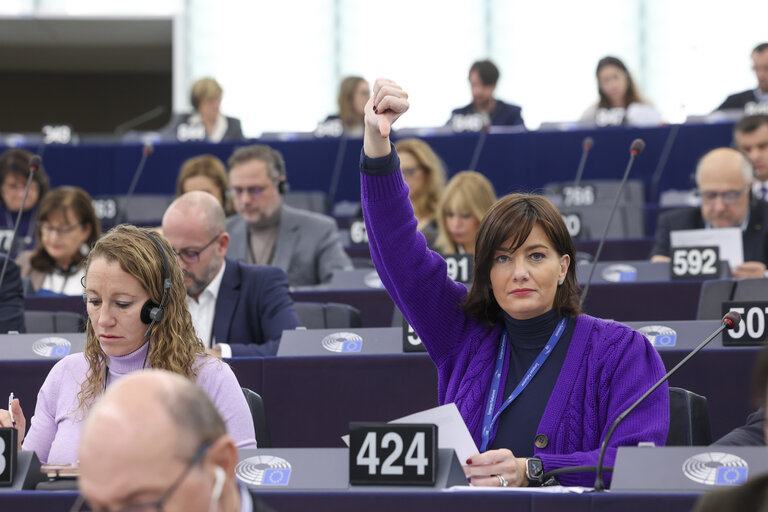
pixel 81 505
pixel 251 191
pixel 47 229
pixel 190 256
pixel 408 172
pixel 729 197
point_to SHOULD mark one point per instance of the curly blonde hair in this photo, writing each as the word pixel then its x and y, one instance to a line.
pixel 174 345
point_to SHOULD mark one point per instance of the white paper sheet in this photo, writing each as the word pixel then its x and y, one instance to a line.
pixel 452 432
pixel 728 240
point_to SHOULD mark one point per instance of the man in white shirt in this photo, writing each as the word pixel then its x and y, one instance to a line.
pixel 750 136
pixel 237 309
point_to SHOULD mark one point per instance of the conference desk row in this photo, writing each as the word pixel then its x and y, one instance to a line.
pixel 310 400
pixel 512 161
pixel 437 501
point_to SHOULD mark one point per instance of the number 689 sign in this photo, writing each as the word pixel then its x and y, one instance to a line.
pixel 392 454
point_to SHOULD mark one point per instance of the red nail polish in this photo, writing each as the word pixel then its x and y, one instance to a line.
pixel 376 110
pixel 469 461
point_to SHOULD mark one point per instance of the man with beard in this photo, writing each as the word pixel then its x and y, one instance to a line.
pixel 483 76
pixel 237 309
pixel 724 179
pixel 266 231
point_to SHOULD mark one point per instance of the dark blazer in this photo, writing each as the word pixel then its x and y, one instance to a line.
pixel 504 114
pixel 11 299
pixel 755 237
pixel 252 309
pixel 738 101
pixel 234 129
pixel 308 248
pixel 751 434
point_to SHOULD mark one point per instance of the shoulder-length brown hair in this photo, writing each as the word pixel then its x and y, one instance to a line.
pixel 174 345
pixel 345 100
pixel 425 203
pixel 467 192
pixel 63 200
pixel 212 168
pixel 633 93
pixel 513 217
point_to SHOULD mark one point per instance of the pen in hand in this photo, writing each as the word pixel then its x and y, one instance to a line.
pixel 10 408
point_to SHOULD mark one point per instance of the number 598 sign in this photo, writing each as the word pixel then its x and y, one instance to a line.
pixel 392 454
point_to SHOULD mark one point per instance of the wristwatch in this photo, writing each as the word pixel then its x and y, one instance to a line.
pixel 534 470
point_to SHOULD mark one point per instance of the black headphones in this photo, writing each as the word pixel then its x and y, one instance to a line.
pixel 152 313
pixel 282 183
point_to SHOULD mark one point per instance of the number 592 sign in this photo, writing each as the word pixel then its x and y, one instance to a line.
pixel 392 454
pixel 694 263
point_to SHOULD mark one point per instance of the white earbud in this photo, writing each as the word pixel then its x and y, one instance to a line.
pixel 218 487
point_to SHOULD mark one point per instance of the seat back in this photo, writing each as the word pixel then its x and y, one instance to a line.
pixel 328 315
pixel 256 405
pixel 688 419
pixel 751 289
pixel 713 294
pixel 53 321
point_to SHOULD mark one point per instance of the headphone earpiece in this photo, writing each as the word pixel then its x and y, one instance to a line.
pixel 283 187
pixel 194 101
pixel 151 312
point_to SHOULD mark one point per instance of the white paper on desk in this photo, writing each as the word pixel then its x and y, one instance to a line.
pixel 727 240
pixel 452 432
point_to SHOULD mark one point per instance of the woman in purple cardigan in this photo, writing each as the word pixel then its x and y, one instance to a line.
pixel 537 383
pixel 137 318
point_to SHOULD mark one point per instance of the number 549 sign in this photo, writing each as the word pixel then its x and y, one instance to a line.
pixel 392 454
pixel 753 329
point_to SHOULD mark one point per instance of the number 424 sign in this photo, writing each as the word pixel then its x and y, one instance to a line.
pixel 392 454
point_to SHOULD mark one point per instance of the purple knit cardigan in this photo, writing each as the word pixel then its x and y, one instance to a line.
pixel 607 367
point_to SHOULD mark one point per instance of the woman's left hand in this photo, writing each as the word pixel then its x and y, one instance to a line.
pixel 482 469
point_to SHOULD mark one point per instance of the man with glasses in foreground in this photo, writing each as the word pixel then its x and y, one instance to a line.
pixel 173 454
pixel 266 231
pixel 237 309
pixel 723 179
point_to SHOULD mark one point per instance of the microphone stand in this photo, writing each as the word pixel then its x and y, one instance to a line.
pixel 32 169
pixel 728 323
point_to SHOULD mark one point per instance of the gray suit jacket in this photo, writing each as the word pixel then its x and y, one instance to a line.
pixel 308 248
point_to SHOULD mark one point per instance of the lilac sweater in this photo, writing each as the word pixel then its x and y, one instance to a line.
pixel 56 425
pixel 607 367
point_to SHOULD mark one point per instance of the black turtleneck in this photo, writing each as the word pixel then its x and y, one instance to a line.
pixel 525 339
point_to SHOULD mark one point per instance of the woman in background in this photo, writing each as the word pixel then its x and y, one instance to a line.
pixel 67 228
pixel 425 175
pixel 206 173
pixel 465 200
pixel 354 92
pixel 206 122
pixel 14 170
pixel 620 100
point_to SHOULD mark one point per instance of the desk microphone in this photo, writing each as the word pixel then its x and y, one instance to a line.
pixel 730 320
pixel 145 152
pixel 586 146
pixel 338 163
pixel 123 128
pixel 34 164
pixel 480 143
pixel 635 149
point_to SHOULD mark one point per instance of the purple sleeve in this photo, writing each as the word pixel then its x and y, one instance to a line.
pixel 415 277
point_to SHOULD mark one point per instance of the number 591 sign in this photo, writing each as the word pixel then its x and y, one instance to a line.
pixel 392 454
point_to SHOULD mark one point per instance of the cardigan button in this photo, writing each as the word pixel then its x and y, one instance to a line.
pixel 541 441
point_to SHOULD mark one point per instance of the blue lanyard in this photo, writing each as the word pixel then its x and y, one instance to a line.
pixel 490 419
